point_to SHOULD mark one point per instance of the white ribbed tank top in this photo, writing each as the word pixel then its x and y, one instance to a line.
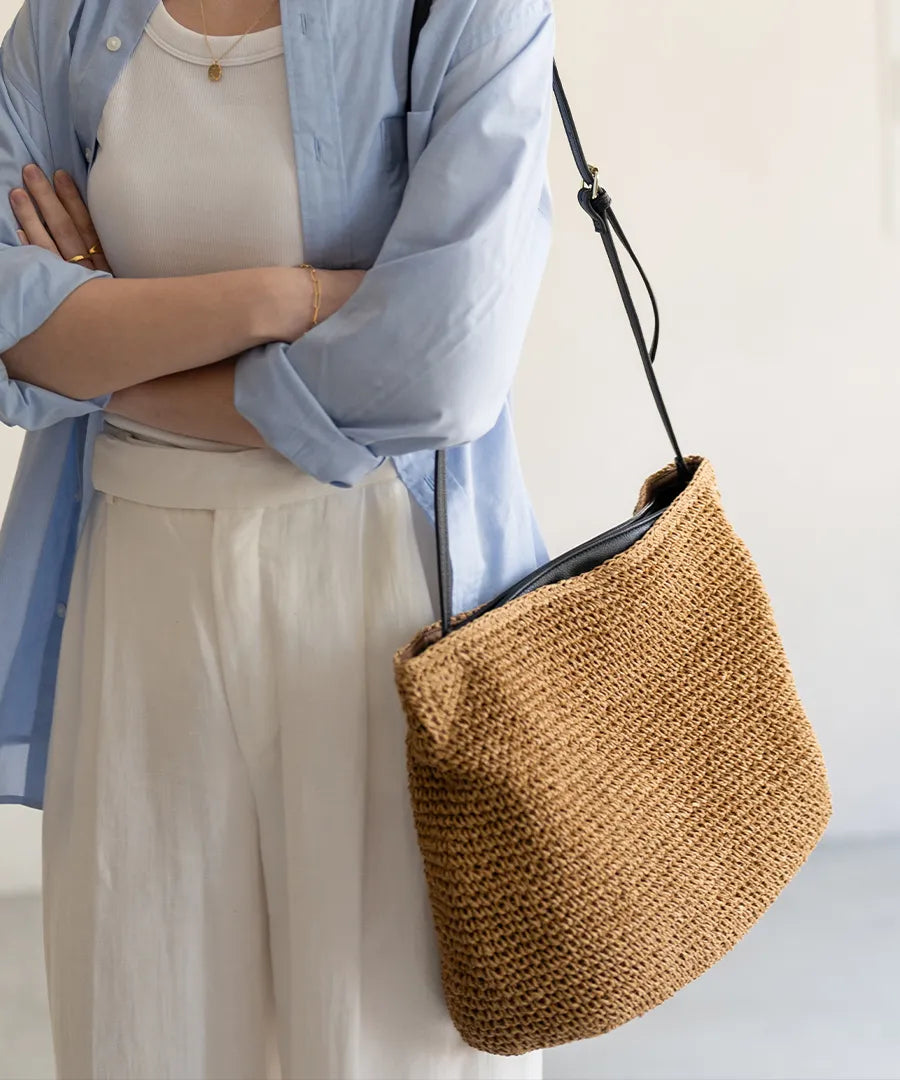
pixel 192 176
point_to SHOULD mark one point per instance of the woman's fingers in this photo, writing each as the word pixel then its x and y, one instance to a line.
pixel 28 217
pixel 60 226
pixel 62 229
pixel 71 199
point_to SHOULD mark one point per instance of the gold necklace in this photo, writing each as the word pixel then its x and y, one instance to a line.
pixel 214 71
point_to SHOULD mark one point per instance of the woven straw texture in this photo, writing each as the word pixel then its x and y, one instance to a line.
pixel 612 777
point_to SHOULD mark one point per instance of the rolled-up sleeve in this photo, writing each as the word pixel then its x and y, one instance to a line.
pixel 424 352
pixel 33 282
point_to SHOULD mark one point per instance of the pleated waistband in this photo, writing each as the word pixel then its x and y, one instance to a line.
pixel 191 479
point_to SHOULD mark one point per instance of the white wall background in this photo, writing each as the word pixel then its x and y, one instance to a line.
pixel 753 154
pixel 747 150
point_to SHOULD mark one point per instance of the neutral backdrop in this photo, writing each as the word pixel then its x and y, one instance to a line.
pixel 752 151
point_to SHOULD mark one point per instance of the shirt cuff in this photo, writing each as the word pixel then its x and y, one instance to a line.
pixel 271 395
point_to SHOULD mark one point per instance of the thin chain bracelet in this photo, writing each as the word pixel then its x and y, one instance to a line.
pixel 317 293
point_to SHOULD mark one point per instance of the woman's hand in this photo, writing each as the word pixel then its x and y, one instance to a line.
pixel 63 225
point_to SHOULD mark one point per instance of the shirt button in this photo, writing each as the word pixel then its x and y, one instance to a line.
pixel 88 153
pixel 113 43
pixel 60 610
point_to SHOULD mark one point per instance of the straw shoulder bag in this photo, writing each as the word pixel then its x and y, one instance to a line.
pixel 611 773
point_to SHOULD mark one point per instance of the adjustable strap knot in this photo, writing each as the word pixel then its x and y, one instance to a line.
pixel 595 206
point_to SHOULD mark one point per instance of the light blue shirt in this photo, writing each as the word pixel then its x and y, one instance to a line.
pixel 422 355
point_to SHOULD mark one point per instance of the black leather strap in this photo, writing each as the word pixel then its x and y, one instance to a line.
pixel 595 201
pixel 420 13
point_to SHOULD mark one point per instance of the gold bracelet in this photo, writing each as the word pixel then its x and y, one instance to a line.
pixel 317 292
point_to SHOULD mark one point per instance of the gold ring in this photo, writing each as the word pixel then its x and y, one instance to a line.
pixel 94 249
pixel 77 258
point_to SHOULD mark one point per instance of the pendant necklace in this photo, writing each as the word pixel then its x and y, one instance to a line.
pixel 214 71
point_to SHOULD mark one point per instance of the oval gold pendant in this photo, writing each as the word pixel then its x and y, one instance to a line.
pixel 215 72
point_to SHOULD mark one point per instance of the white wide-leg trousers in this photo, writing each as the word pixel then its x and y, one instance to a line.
pixel 232 884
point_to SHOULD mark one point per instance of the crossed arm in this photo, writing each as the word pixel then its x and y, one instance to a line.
pixel 199 402
pixel 422 354
pixel 107 336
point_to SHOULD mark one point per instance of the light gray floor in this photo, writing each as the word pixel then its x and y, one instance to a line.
pixel 809 994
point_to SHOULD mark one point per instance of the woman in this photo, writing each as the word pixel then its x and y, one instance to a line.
pixel 235 327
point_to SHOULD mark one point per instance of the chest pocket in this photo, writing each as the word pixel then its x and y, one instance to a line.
pixel 393 146
pixel 403 138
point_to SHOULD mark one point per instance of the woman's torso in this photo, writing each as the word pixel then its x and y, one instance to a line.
pixel 193 176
